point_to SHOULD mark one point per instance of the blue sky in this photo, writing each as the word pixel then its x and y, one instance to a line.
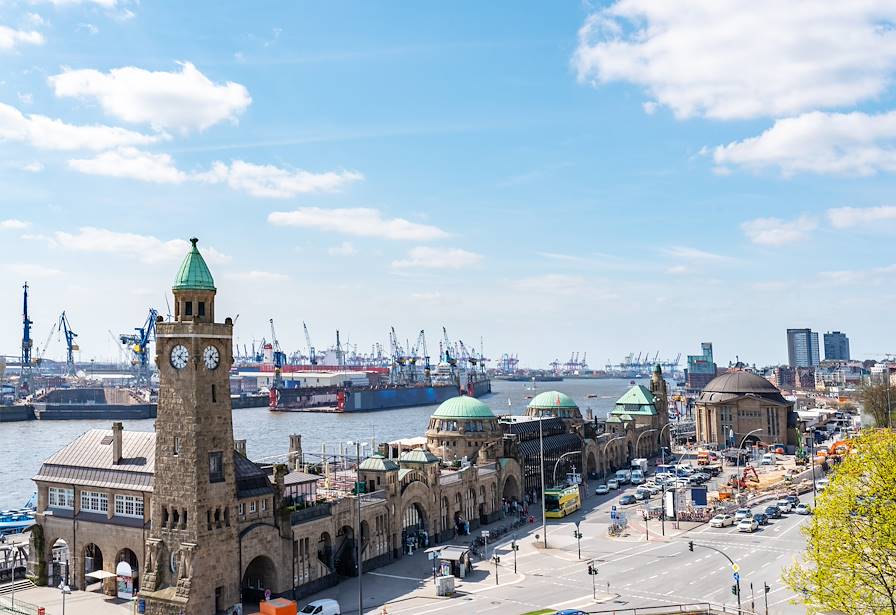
pixel 608 177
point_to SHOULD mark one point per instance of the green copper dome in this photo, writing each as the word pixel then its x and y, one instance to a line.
pixel 194 273
pixel 552 399
pixel 463 407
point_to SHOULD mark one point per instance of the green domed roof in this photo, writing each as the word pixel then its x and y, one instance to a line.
pixel 463 407
pixel 552 399
pixel 418 455
pixel 378 463
pixel 194 273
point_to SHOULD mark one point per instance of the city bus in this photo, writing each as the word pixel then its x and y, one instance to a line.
pixel 561 501
pixel 665 469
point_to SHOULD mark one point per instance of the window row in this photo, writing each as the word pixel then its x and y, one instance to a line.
pixel 96 502
pixel 452 425
pixel 254 506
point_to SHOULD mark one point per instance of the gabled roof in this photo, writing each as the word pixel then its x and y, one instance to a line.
pixel 378 463
pixel 418 455
pixel 637 400
pixel 251 480
pixel 194 273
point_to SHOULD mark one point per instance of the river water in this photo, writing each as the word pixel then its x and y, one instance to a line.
pixel 25 445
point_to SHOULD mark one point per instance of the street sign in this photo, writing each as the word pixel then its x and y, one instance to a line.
pixel 737 576
pixel 735 567
pixel 485 534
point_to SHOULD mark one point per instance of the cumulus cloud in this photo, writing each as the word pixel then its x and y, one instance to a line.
pixel 425 257
pixel 343 249
pixel 10 38
pixel 47 133
pixel 846 217
pixel 777 232
pixel 145 248
pixel 13 224
pixel 264 180
pixel 360 222
pixel 182 101
pixel 129 162
pixel 731 59
pixel 825 143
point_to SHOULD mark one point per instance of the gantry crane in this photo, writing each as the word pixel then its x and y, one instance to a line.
pixel 70 346
pixel 312 355
pixel 277 355
pixel 138 343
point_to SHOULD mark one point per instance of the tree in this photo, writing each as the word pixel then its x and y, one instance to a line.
pixel 879 401
pixel 850 559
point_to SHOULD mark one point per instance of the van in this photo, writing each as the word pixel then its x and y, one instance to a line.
pixel 768 459
pixel 325 606
pixel 637 477
pixel 623 476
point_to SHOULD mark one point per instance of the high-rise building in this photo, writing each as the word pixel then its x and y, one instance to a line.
pixel 701 368
pixel 802 348
pixel 836 346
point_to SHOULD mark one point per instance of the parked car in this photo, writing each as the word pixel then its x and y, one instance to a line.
pixel 627 499
pixel 570 612
pixel 748 524
pixel 743 513
pixel 325 606
pixel 822 483
pixel 613 483
pixel 793 500
pixel 785 505
pixel 773 512
pixel 601 490
pixel 722 520
pixel 802 509
pixel 654 489
pixel 642 494
pixel 761 518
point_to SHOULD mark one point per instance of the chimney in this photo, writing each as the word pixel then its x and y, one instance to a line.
pixel 117 429
pixel 295 452
pixel 240 446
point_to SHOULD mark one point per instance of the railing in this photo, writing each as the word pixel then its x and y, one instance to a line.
pixel 18 607
pixel 488 468
pixel 450 479
pixel 326 557
pixel 697 608
pixel 312 512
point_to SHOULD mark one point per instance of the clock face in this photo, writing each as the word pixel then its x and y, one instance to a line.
pixel 179 356
pixel 211 357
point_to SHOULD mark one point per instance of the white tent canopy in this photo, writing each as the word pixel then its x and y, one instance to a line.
pixel 100 574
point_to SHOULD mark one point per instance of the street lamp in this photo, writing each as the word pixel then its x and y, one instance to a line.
pixel 358 446
pixel 64 589
pixel 611 440
pixel 739 448
pixel 557 463
pixel 638 441
pixel 497 560
pixel 663 448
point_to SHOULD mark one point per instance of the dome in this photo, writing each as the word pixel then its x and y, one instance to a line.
pixel 737 383
pixel 194 273
pixel 552 399
pixel 463 407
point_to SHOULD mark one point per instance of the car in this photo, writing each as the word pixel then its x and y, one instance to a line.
pixel 785 505
pixel 654 489
pixel 627 499
pixel 613 484
pixel 601 490
pixel 768 459
pixel 802 509
pixel 722 520
pixel 822 483
pixel 743 513
pixel 570 612
pixel 761 518
pixel 642 494
pixel 748 524
pixel 793 500
pixel 326 606
pixel 773 512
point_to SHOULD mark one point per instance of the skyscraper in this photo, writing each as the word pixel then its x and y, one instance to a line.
pixel 701 368
pixel 836 346
pixel 802 348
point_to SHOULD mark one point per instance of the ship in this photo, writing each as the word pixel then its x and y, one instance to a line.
pixel 365 391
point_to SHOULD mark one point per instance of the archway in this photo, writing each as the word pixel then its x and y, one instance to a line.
pixel 511 490
pixel 58 564
pixel 446 515
pixel 483 512
pixel 591 465
pixel 127 573
pixel 260 574
pixel 325 550
pixel 93 561
pixel 344 557
pixel 629 451
pixel 414 534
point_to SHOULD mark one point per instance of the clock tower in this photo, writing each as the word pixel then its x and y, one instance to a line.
pixel 191 552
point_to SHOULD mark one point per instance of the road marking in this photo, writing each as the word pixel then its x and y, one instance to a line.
pixel 395 576
pixel 654 576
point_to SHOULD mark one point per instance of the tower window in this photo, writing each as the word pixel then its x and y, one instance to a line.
pixel 188 308
pixel 201 308
pixel 177 445
pixel 214 396
pixel 216 467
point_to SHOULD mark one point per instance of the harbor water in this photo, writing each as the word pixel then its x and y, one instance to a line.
pixel 25 445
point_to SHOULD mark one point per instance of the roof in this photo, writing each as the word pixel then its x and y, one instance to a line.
pixel 251 480
pixel 738 383
pixel 300 478
pixel 87 461
pixel 418 455
pixel 378 463
pixel 452 552
pixel 552 399
pixel 194 273
pixel 559 443
pixel 637 400
pixel 463 407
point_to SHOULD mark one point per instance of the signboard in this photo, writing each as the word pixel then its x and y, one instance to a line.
pixel 735 568
pixel 485 533
pixel 124 577
pixel 699 496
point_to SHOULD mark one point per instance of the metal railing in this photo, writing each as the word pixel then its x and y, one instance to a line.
pixel 696 608
pixel 307 514
pixel 18 607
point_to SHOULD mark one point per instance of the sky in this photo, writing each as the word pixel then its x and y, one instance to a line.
pixel 539 178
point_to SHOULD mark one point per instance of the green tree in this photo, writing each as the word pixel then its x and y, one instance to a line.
pixel 879 401
pixel 850 559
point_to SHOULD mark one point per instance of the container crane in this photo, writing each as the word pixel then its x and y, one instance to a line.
pixel 277 355
pixel 138 343
pixel 447 349
pixel 312 355
pixel 70 346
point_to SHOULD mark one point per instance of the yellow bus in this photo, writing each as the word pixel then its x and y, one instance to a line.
pixel 561 502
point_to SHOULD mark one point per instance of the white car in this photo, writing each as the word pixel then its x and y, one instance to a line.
pixel 613 484
pixel 601 490
pixel 785 505
pixel 743 513
pixel 822 483
pixel 748 524
pixel 722 520
pixel 322 607
pixel 802 509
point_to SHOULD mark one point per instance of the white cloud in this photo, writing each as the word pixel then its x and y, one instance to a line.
pixel 437 258
pixel 264 180
pixel 34 19
pixel 33 167
pixel 777 232
pixel 182 101
pixel 429 297
pixel 360 222
pixel 678 270
pixel 13 224
pixel 129 162
pixel 343 249
pixel 10 38
pixel 551 284
pixel 89 28
pixel 827 143
pixel 29 270
pixel 846 217
pixel 47 133
pixel 735 59
pixel 145 248
pixel 693 254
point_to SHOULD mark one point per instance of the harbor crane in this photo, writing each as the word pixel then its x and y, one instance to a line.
pixel 70 346
pixel 138 343
pixel 277 355
pixel 312 355
pixel 452 361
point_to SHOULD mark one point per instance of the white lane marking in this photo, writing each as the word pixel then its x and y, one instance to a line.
pixel 395 576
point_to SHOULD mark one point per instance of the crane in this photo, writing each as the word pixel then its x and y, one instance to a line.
pixel 42 350
pixel 139 342
pixel 70 346
pixel 278 356
pixel 448 358
pixel 121 354
pixel 312 356
pixel 340 354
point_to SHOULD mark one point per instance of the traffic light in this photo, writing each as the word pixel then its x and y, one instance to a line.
pixel 590 569
pixel 691 545
pixel 734 589
pixel 767 588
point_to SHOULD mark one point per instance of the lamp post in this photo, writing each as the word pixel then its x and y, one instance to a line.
pixel 734 567
pixel 739 448
pixel 557 463
pixel 544 516
pixel 611 440
pixel 812 461
pixel 64 589
pixel 638 441
pixel 358 446
pixel 663 448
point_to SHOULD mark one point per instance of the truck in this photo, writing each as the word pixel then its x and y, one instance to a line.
pixel 640 464
pixel 624 476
